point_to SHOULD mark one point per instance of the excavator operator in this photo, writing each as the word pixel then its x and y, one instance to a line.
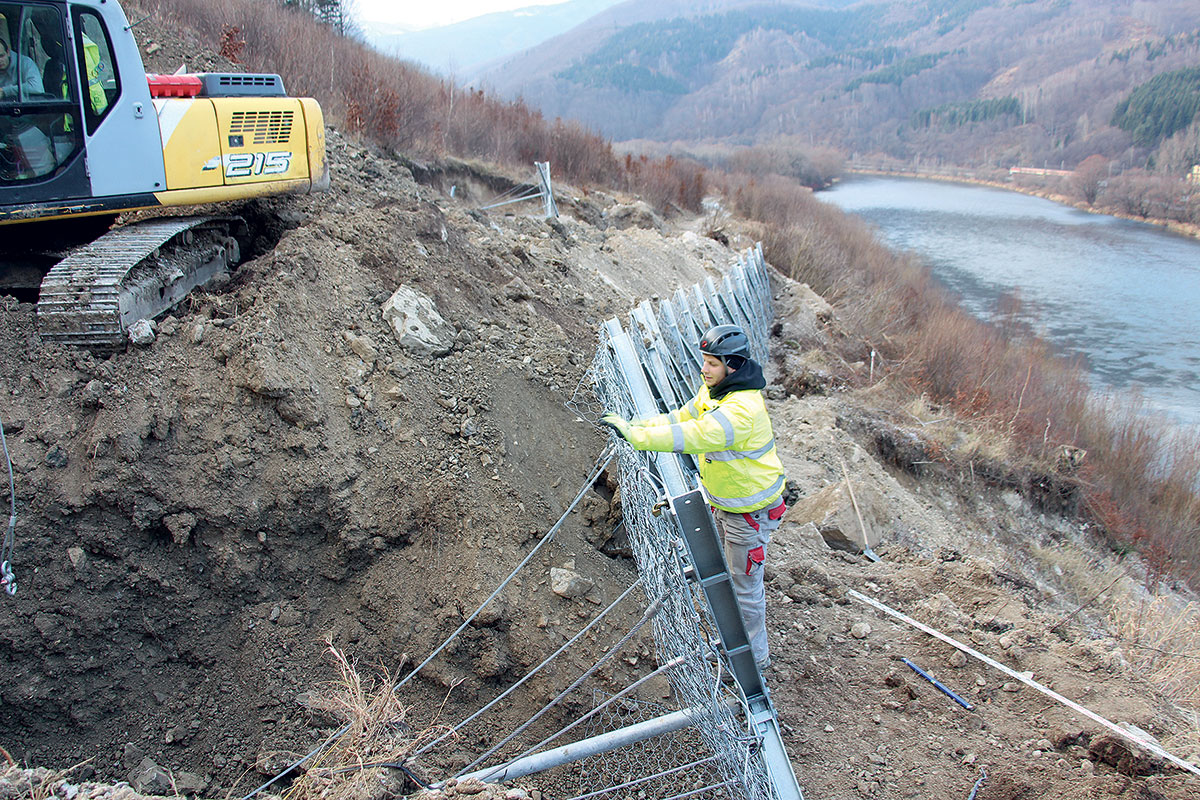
pixel 19 74
pixel 726 424
pixel 24 148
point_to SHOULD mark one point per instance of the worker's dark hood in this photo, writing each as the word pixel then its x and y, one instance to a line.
pixel 750 376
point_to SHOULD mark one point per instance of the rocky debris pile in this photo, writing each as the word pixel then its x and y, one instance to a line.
pixel 288 460
pixel 45 784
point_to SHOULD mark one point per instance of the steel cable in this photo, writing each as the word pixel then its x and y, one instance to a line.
pixel 595 620
pixel 329 740
pixel 562 731
pixel 628 784
pixel 651 611
pixel 601 463
pixel 7 579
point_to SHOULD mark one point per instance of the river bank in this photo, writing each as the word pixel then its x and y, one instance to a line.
pixel 970 179
pixel 1116 294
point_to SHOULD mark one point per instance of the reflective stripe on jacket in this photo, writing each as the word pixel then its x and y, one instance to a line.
pixel 740 468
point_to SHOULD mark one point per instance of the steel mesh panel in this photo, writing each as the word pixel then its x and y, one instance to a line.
pixel 683 628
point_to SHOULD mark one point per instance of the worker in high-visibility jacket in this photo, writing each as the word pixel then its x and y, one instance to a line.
pixel 726 424
pixel 93 65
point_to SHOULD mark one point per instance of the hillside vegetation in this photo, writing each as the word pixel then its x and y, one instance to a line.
pixel 1035 82
pixel 1160 107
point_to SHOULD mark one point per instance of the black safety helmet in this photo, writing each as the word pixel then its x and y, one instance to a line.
pixel 724 342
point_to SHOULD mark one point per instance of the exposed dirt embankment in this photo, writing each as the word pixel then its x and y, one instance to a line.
pixel 195 518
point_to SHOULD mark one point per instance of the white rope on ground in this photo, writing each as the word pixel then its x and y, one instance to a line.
pixel 651 611
pixel 601 463
pixel 1030 682
pixel 531 673
pixel 697 763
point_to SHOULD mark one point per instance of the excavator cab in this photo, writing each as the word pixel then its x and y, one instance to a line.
pixel 56 81
pixel 72 95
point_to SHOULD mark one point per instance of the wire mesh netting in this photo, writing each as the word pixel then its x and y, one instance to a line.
pixel 684 628
pixel 673 764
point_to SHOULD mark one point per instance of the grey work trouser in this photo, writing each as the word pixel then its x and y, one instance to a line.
pixel 745 552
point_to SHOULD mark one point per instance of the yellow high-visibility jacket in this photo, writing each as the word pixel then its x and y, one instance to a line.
pixel 740 468
pixel 91 55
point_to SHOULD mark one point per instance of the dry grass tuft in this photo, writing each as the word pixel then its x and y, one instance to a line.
pixel 17 783
pixel 1159 635
pixel 1163 637
pixel 376 737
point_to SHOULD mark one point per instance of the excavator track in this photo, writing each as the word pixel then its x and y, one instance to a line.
pixel 137 271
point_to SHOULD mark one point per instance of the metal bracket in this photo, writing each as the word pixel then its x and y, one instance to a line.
pixel 710 571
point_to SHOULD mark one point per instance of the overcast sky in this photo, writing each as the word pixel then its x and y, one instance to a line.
pixel 431 13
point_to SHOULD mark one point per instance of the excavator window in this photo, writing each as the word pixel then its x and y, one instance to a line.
pixel 39 106
pixel 97 74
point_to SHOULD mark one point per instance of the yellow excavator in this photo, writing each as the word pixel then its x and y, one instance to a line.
pixel 86 134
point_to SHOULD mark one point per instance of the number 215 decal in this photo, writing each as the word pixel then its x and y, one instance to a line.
pixel 244 165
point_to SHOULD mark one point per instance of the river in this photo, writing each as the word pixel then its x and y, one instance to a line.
pixel 1124 296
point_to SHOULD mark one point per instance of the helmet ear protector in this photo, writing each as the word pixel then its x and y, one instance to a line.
pixel 728 343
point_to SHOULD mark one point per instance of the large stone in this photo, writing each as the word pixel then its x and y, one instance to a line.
pixel 141 333
pixel 517 290
pixel 832 512
pixel 304 409
pixel 150 778
pixel 417 324
pixel 189 783
pixel 269 374
pixel 56 458
pixel 272 762
pixel 181 526
pixel 569 583
pixel 259 369
pixel 817 304
pixel 944 613
pixel 1119 753
pixel 362 346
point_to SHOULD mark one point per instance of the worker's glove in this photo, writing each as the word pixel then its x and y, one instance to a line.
pixel 617 423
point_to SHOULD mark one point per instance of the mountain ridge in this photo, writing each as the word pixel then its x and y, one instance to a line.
pixel 966 81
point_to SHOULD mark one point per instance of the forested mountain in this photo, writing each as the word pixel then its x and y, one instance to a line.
pixel 972 82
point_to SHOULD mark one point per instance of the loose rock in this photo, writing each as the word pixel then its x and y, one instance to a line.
pixel 141 333
pixel 568 583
